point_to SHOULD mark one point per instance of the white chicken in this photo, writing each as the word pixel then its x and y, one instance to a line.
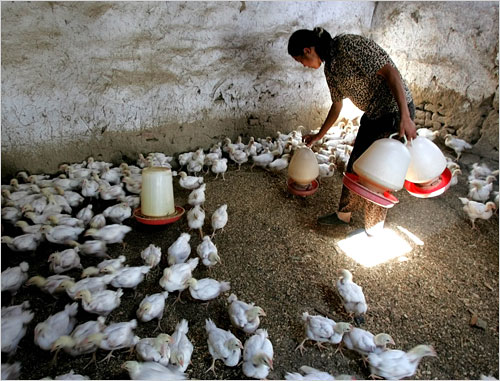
pixel 55 326
pixel 364 342
pixel 13 277
pixel 197 196
pixel 98 221
pixel 115 336
pixel 11 214
pixel 49 285
pixel 395 364
pixel 219 218
pixel 112 265
pixel 219 166
pixel 90 188
pixel 23 242
pixel 222 345
pixel 175 277
pixel 60 262
pixel 14 324
pixel 11 371
pixel 151 370
pixel 113 233
pixel 127 277
pixel 155 349
pixel 263 159
pixel 152 307
pixel 456 144
pixel 207 251
pixel 61 233
pixel 454 176
pixel 352 295
pixel 93 247
pixel 102 302
pixel 85 214
pixel 92 284
pixel 64 219
pixel 480 190
pixel 181 348
pixel 481 170
pixel 326 170
pixel 244 316
pixel 310 374
pixel 118 213
pixel 280 163
pixel 207 288
pixel 189 182
pixel 111 192
pixel 151 255
pixel 427 133
pixel 196 219
pixel 477 210
pixel 178 252
pixel 258 355
pixel 238 156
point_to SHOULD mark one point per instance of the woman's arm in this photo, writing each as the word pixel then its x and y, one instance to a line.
pixel 332 116
pixel 391 76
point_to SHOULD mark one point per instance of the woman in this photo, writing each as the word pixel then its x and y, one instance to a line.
pixel 359 69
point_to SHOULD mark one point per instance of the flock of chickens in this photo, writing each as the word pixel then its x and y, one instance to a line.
pixel 42 207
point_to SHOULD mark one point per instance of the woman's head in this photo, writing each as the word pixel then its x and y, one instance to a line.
pixel 309 47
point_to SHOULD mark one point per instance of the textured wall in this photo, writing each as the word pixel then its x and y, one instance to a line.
pixel 114 79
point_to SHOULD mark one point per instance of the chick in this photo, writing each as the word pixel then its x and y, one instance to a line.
pixel 477 210
pixel 206 288
pixel 151 370
pixel 155 349
pixel 207 251
pixel 197 196
pixel 196 219
pixel 189 182
pixel 222 345
pixel 55 326
pixel 100 302
pixel 181 348
pixel 13 277
pixel 118 213
pixel 151 255
pixel 152 307
pixel 219 218
pixel 258 355
pixel 352 295
pixel 64 261
pixel 244 316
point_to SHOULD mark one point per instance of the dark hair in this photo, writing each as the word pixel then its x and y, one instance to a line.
pixel 305 38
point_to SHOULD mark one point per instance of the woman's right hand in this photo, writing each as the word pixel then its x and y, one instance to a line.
pixel 310 139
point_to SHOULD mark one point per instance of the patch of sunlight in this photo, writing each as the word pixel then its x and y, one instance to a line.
pixel 410 235
pixel 372 251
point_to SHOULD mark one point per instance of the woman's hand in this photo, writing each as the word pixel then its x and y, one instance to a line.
pixel 407 127
pixel 310 139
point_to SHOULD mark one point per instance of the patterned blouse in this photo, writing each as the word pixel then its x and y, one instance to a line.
pixel 351 72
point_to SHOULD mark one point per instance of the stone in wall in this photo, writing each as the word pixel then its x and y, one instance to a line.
pixel 487 145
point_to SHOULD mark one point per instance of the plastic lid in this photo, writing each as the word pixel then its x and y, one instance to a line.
pixel 385 200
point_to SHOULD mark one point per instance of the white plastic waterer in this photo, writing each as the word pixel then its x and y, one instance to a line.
pixel 302 172
pixel 157 195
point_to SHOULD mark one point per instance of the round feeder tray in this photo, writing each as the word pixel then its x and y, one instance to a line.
pixel 436 188
pixel 162 220
pixel 300 190
pixel 385 200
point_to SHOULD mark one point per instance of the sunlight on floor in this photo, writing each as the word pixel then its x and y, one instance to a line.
pixel 372 251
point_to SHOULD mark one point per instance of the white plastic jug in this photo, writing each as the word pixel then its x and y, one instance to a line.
pixel 303 167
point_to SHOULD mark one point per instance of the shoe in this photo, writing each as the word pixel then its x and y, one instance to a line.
pixel 331 219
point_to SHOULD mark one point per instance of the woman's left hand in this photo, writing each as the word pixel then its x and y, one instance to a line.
pixel 407 127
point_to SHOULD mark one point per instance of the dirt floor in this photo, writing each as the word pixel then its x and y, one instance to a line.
pixel 275 255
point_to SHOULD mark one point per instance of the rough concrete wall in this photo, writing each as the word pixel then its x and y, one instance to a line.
pixel 448 52
pixel 112 79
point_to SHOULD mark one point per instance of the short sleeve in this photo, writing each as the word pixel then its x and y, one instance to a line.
pixel 366 54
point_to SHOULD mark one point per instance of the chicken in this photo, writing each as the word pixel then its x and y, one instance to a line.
pixel 322 330
pixel 454 176
pixel 395 364
pixel 175 277
pixel 102 302
pixel 63 261
pixel 92 284
pixel 85 214
pixel 181 348
pixel 11 371
pixel 179 251
pixel 482 171
pixel 152 307
pixel 196 219
pixel 13 277
pixel 98 221
pixel 111 192
pixel 14 324
pixel 90 188
pixel 427 133
pixel 222 345
pixel 264 159
pixel 115 336
pixel 477 210
pixel 127 277
pixel 311 374
pixel 118 213
pixel 155 349
pixel 219 166
pixel 197 196
pixel 49 285
pixel 326 170
pixel 207 288
pixel 151 370
pixel 151 255
pixel 110 233
pixel 456 144
pixel 280 163
pixel 55 326
pixel 258 355
pixel 352 295
pixel 480 190
pixel 23 242
pixel 364 342
pixel 11 214
pixel 238 156
pixel 207 251
pixel 65 219
pixel 133 185
pixel 189 182
pixel 93 247
pixel 219 218
pixel 71 376
pixel 61 233
pixel 244 316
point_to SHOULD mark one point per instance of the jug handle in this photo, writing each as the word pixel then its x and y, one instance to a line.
pixel 397 134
